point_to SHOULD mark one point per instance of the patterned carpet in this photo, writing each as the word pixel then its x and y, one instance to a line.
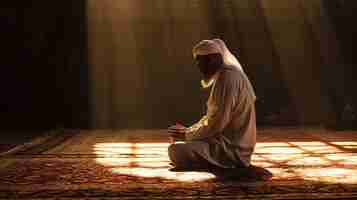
pixel 6 147
pixel 120 165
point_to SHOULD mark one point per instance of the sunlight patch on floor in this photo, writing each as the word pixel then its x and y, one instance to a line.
pixel 315 161
pixel 144 160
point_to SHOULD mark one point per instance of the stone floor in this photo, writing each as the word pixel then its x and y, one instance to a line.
pixel 133 164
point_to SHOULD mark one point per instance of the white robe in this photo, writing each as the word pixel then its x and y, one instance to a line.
pixel 229 126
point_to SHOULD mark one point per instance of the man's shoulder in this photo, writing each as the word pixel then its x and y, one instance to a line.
pixel 230 72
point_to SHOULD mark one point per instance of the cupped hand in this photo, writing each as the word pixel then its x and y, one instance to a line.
pixel 177 132
pixel 177 127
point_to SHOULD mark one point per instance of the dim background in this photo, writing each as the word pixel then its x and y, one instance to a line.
pixel 127 63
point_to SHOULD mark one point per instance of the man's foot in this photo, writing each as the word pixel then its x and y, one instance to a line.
pixel 174 168
pixel 177 169
pixel 262 173
pixel 250 174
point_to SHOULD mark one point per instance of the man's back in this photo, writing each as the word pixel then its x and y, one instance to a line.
pixel 232 94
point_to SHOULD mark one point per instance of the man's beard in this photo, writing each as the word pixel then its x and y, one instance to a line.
pixel 207 81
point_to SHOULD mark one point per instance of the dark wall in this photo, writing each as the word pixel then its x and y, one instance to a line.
pixel 142 73
pixel 139 71
pixel 340 70
pixel 43 65
pixel 147 46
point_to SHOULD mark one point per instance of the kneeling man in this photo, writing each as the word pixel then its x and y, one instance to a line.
pixel 225 137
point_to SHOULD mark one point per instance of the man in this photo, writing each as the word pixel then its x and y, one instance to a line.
pixel 226 136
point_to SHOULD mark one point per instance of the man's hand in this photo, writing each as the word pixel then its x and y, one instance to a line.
pixel 177 132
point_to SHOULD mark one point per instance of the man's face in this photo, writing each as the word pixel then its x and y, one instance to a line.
pixel 209 64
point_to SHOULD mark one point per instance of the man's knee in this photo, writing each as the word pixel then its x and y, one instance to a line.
pixel 173 151
pixel 180 154
pixel 185 155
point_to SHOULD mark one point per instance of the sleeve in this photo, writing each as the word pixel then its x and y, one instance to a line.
pixel 218 112
pixel 198 124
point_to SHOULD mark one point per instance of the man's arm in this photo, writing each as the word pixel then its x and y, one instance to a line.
pixel 198 124
pixel 220 110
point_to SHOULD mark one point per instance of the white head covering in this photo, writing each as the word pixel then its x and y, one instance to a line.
pixel 206 47
pixel 213 46
pixel 228 57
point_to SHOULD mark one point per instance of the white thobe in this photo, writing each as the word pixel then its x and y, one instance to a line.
pixel 226 135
